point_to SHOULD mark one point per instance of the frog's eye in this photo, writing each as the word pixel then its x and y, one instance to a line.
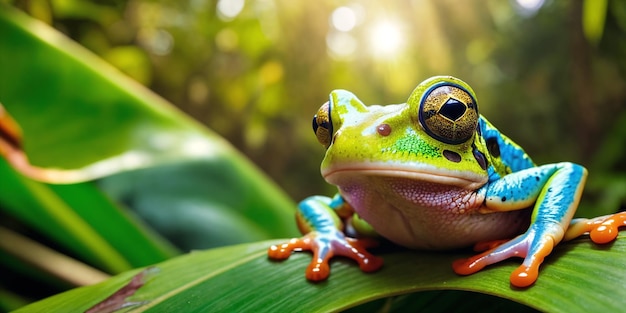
pixel 322 125
pixel 448 113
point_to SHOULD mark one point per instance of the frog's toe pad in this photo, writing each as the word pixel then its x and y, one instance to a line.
pixel 608 230
pixel 284 250
pixel 317 270
pixel 524 276
pixel 371 264
pixel 470 265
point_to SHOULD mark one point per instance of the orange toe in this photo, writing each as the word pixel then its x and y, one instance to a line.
pixel 524 276
pixel 318 270
pixel 468 266
pixel 371 264
pixel 608 230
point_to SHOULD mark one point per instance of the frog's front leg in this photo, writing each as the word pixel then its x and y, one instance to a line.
pixel 555 190
pixel 319 221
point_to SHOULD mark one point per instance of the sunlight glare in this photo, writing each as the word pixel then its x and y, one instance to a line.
pixel 229 9
pixel 343 19
pixel 529 7
pixel 341 45
pixel 386 38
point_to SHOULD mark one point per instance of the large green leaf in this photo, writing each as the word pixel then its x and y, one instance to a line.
pixel 201 204
pixel 77 112
pixel 80 218
pixel 579 276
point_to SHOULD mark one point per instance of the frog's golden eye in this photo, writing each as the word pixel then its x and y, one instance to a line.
pixel 448 113
pixel 322 125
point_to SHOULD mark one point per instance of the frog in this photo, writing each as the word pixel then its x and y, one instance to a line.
pixel 434 174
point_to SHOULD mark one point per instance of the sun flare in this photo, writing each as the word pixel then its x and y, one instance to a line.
pixel 386 38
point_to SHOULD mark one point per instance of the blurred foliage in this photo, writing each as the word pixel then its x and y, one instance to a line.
pixel 191 187
pixel 551 74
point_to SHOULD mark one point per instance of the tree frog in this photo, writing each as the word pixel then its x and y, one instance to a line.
pixel 432 173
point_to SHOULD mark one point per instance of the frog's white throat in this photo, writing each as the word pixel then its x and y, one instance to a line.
pixel 423 210
pixel 337 175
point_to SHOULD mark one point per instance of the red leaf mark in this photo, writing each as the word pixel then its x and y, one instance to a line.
pixel 117 300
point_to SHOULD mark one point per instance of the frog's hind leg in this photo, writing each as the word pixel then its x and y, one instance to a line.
pixel 602 229
pixel 530 246
pixel 555 190
pixel 535 248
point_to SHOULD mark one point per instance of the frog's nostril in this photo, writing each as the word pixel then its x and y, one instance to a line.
pixel 384 129
pixel 480 158
pixel 452 156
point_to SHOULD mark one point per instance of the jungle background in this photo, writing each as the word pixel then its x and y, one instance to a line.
pixel 551 75
pixel 547 75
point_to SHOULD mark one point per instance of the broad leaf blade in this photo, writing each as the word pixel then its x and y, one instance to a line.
pixel 201 204
pixel 78 112
pixel 80 218
pixel 578 277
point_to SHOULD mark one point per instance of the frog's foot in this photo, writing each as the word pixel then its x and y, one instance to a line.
pixel 324 247
pixel 530 246
pixel 603 229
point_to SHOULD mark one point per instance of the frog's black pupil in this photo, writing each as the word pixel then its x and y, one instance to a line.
pixel 452 109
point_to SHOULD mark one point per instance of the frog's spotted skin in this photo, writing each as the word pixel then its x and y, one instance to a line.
pixel 433 173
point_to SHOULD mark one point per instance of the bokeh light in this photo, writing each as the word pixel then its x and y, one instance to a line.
pixel 528 7
pixel 341 45
pixel 343 19
pixel 386 38
pixel 229 9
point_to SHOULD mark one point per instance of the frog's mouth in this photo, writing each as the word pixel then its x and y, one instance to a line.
pixel 420 173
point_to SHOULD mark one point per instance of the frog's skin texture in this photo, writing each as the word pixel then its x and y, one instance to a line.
pixel 434 174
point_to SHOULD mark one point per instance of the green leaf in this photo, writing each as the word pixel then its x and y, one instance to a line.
pixel 578 276
pixel 80 218
pixel 77 112
pixel 201 204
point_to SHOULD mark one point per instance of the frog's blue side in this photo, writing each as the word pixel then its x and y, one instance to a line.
pixel 523 181
pixel 512 155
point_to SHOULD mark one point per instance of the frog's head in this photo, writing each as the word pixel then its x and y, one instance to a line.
pixel 431 138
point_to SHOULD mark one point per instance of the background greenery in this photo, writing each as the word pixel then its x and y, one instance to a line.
pixel 552 77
